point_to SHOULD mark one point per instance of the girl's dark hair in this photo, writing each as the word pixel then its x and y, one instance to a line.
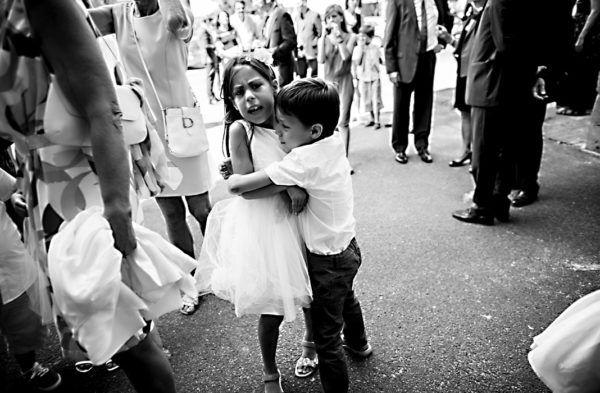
pixel 358 4
pixel 229 28
pixel 232 114
pixel 311 101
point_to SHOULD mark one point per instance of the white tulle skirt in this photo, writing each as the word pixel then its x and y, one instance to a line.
pixel 253 256
pixel 566 356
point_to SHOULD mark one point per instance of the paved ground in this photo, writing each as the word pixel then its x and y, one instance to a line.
pixel 449 307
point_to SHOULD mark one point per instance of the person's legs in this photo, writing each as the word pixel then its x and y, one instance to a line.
pixel 199 207
pixel 173 210
pixel 486 154
pixel 314 68
pixel 24 333
pixel 346 90
pixel 268 335
pixel 423 105
pixel 147 368
pixel 400 119
pixel 301 67
pixel 528 157
pixel 331 278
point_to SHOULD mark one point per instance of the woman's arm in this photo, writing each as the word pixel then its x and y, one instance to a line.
pixel 179 18
pixel 70 47
pixel 591 20
pixel 241 162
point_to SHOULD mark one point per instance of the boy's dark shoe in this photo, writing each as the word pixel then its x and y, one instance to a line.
pixel 42 378
pixel 474 215
pixel 401 157
pixel 523 199
pixel 363 352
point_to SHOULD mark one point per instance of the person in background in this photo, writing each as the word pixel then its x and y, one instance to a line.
pixel 462 52
pixel 578 93
pixel 501 76
pixel 226 38
pixel 245 26
pixel 367 57
pixel 308 29
pixel 554 46
pixel 280 39
pixel 411 45
pixel 207 37
pixel 335 52
pixel 149 32
pixel 353 15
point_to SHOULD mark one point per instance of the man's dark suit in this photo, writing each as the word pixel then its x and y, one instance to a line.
pixel 402 44
pixel 499 89
pixel 282 38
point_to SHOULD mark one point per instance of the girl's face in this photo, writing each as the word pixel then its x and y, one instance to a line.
pixel 334 18
pixel 252 95
pixel 223 20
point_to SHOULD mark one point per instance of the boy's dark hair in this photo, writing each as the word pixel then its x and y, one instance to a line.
pixel 368 30
pixel 311 101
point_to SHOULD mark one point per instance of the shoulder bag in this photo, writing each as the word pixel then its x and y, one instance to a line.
pixel 185 132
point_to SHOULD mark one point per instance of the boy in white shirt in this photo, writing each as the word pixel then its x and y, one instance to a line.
pixel 307 113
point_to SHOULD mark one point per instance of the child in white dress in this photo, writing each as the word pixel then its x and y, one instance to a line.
pixel 252 254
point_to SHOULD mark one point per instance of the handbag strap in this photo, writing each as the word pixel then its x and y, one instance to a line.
pixel 129 18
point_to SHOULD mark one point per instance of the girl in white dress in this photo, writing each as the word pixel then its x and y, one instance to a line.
pixel 252 253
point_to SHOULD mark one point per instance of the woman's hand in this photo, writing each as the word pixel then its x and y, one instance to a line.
pixel 298 197
pixel 18 203
pixel 175 17
pixel 122 229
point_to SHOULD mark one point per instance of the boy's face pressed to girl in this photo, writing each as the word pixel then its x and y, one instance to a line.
pixel 292 132
pixel 252 95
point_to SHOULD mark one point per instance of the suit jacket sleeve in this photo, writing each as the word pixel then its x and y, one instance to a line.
pixel 390 43
pixel 288 38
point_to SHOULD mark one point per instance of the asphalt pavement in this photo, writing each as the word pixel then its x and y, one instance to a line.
pixel 449 306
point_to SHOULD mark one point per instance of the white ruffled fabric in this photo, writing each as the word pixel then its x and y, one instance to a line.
pixel 104 298
pixel 566 356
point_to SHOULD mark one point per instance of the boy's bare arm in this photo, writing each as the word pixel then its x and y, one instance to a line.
pixel 240 184
pixel 271 189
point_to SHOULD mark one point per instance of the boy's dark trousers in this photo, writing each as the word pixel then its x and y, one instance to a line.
pixel 334 308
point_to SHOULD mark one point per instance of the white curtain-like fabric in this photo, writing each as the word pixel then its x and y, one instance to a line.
pixel 105 298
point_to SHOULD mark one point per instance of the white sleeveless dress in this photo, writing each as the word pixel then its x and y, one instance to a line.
pixel 252 254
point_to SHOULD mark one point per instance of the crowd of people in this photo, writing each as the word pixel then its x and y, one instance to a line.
pixel 287 139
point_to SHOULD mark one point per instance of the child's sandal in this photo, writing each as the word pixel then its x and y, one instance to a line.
pixel 305 366
pixel 273 382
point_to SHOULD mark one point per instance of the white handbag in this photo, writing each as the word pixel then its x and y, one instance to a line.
pixel 63 125
pixel 185 132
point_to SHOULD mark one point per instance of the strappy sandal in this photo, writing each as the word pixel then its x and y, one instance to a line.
pixel 305 367
pixel 274 380
pixel 190 305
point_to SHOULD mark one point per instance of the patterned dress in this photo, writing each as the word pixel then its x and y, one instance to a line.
pixel 58 181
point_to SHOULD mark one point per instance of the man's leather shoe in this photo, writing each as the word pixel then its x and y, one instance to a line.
pixel 474 215
pixel 523 199
pixel 425 156
pixel 401 157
